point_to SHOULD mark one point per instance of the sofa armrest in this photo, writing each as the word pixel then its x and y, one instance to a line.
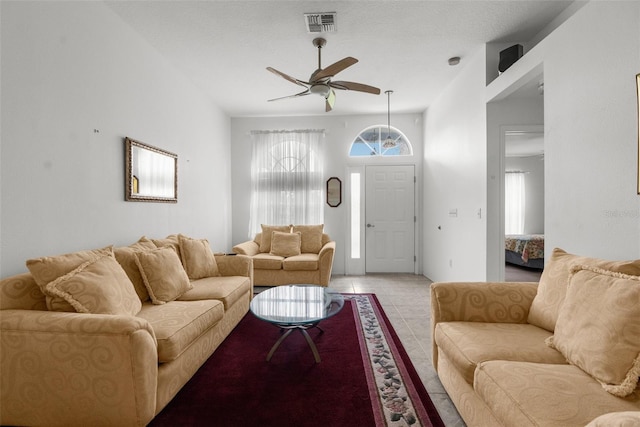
pixel 325 262
pixel 76 369
pixel 249 248
pixel 236 265
pixel 491 302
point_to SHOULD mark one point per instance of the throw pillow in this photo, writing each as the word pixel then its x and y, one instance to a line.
pixel 555 278
pixel 47 269
pixel 163 274
pixel 598 327
pixel 127 259
pixel 171 241
pixel 285 244
pixel 98 286
pixel 311 238
pixel 197 258
pixel 267 230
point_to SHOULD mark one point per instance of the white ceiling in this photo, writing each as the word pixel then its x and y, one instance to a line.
pixel 225 47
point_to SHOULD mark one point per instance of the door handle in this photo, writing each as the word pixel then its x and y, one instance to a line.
pixel 370 225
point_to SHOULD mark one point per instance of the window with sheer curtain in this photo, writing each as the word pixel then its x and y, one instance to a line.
pixel 514 203
pixel 286 177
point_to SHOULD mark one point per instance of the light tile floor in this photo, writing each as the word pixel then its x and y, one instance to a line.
pixel 405 299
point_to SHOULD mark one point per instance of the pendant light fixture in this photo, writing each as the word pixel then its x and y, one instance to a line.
pixel 389 142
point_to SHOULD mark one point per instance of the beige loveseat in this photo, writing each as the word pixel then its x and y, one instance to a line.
pixel 493 351
pixel 290 254
pixel 115 337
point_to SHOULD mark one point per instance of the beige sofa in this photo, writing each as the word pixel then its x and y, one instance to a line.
pixel 299 254
pixel 118 352
pixel 564 352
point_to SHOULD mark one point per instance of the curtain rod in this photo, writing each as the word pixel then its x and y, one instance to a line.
pixel 264 132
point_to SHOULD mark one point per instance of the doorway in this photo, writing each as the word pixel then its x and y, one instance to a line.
pixel 522 205
pixel 390 219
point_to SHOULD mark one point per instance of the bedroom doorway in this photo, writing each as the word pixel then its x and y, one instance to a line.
pixel 523 202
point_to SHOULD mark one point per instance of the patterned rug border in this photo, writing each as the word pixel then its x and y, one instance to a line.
pixel 398 396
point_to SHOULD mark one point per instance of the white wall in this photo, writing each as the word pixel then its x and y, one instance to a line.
pixel 340 132
pixel 590 120
pixel 455 159
pixel 591 132
pixel 69 68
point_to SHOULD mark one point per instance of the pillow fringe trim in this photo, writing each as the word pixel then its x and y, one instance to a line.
pixel 629 384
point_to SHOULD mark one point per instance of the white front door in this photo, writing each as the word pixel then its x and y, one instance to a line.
pixel 390 219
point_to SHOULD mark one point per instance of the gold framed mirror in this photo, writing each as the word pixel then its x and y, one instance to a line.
pixel 151 174
pixel 334 192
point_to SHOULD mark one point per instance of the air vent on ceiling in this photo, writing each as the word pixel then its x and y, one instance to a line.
pixel 320 22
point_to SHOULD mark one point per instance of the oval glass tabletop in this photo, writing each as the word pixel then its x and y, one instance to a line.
pixel 296 304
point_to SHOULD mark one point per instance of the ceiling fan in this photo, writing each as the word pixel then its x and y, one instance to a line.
pixel 320 81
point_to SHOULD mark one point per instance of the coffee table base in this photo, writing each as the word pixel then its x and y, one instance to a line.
pixel 305 334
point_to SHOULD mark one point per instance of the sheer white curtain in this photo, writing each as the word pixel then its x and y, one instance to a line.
pixel 286 176
pixel 514 202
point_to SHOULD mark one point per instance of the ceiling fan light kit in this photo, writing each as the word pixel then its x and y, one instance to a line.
pixel 320 81
pixel 320 89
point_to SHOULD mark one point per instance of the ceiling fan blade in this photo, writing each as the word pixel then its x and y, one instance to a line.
pixel 330 101
pixel 355 86
pixel 335 68
pixel 287 77
pixel 303 93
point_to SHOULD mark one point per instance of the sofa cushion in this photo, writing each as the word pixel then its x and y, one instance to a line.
pixel 49 268
pixel 537 394
pixel 98 286
pixel 555 278
pixel 267 262
pixel 311 237
pixel 227 289
pixel 308 262
pixel 125 256
pixel 267 230
pixel 177 324
pixel 197 258
pixel 598 327
pixel 468 344
pixel 163 274
pixel 285 244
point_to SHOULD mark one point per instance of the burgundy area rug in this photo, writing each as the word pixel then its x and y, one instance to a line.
pixel 365 377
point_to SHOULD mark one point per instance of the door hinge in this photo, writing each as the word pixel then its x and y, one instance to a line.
pixel 414 258
pixel 414 219
pixel 414 179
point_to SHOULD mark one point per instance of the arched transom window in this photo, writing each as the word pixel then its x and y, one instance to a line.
pixel 378 141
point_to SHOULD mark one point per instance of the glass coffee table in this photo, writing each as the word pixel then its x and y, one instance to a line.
pixel 296 307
